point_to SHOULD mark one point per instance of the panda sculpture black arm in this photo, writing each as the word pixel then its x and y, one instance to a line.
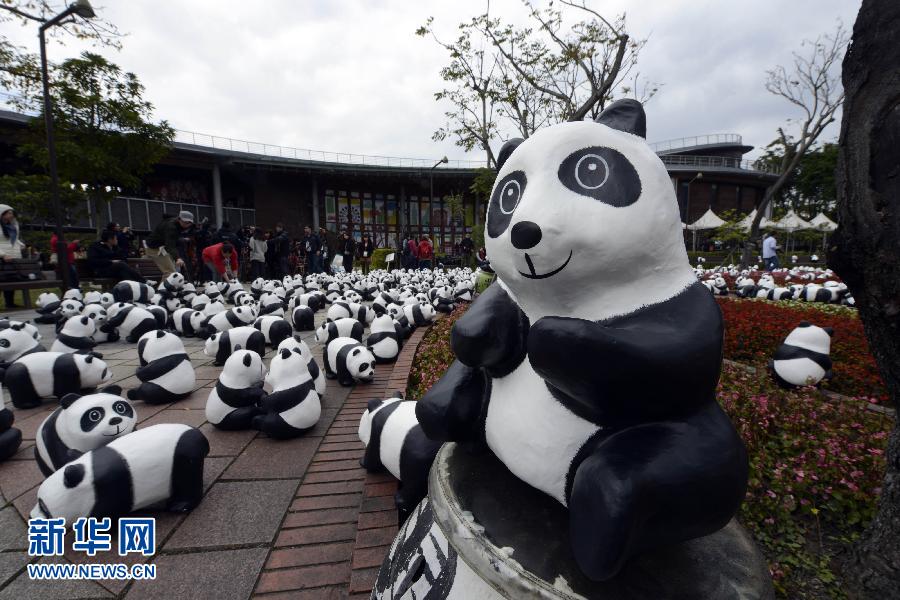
pixel 672 349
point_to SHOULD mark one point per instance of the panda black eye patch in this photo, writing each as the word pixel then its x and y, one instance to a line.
pixel 92 418
pixel 506 197
pixel 603 174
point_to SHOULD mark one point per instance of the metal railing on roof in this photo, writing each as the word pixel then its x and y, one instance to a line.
pixel 696 140
pixel 717 162
pixel 273 150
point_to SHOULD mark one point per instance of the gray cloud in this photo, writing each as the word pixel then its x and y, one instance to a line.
pixel 350 76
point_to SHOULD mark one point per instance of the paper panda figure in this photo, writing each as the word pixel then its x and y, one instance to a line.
pixel 82 424
pixel 187 321
pixel 303 318
pixel 232 404
pixel 419 315
pixel 92 297
pixel 592 382
pixel 15 342
pixel 47 308
pixel 802 359
pixel 318 376
pixel 345 327
pixel 166 372
pixel 75 335
pixel 158 464
pixel 223 321
pixel 270 304
pixel 780 293
pixel 173 283
pixel 314 300
pixel 160 314
pixel 343 310
pixel 221 345
pixel 256 287
pixel 293 406
pixel 70 307
pixel 10 437
pixel 395 441
pixel 98 314
pixel 26 326
pixel 40 375
pixel 274 329
pixel 212 291
pixel 130 321
pixel 348 361
pixel 385 339
pixel 187 293
pixel 199 302
pixel 168 302
pixel 132 291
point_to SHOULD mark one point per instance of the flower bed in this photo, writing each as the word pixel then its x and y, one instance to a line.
pixel 755 328
pixel 815 465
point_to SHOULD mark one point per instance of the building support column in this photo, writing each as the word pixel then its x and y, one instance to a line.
pixel 403 219
pixel 315 204
pixel 218 211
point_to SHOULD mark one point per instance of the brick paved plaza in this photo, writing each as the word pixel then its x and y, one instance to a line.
pixel 279 519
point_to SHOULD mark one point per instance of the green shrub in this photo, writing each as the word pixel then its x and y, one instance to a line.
pixel 379 255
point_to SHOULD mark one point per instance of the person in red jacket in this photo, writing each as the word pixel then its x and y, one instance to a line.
pixel 426 253
pixel 221 260
pixel 71 247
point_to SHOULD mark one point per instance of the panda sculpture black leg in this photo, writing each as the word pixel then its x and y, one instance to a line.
pixel 10 437
pixel 187 471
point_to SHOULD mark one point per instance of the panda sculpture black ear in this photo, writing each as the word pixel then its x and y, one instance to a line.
pixel 397 394
pixel 804 324
pixel 248 360
pixel 625 115
pixel 73 475
pixel 506 150
pixel 67 400
pixel 829 331
pixel 285 354
pixel 115 390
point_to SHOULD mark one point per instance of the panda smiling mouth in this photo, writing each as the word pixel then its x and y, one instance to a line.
pixel 535 275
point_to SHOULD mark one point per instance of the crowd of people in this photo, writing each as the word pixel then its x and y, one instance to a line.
pixel 202 252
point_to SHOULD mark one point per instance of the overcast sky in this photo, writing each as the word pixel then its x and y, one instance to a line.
pixel 351 76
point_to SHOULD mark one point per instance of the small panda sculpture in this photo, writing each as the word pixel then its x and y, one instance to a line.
pixel 345 327
pixel 82 424
pixel 271 304
pixel 132 291
pixel 802 359
pixel 130 321
pixel 40 375
pixel 76 335
pixel 419 315
pixel 317 375
pixel 293 406
pixel 395 441
pixel 342 310
pixel 549 355
pixel 314 300
pixel 221 345
pixel 187 321
pixel 158 464
pixel 10 437
pixel 303 318
pixel 348 361
pixel 223 321
pixel 232 404
pixel 15 342
pixel 98 314
pixel 385 339
pixel 92 297
pixel 274 329
pixel 166 372
pixel 173 283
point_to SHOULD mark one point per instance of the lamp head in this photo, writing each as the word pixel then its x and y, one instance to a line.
pixel 83 9
pixel 444 160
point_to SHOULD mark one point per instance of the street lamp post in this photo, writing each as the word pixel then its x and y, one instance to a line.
pixel 83 9
pixel 687 208
pixel 431 180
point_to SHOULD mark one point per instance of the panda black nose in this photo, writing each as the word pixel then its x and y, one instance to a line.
pixel 115 420
pixel 525 235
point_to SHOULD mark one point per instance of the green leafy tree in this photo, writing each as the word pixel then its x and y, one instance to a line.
pixel 106 140
pixel 810 188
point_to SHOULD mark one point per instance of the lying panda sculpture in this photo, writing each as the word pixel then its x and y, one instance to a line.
pixel 162 463
pixel 802 359
pixel 52 374
pixel 594 381
pixel 81 424
pixel 15 342
pixel 348 361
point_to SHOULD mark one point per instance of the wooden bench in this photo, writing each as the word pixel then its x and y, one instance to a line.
pixel 145 266
pixel 25 274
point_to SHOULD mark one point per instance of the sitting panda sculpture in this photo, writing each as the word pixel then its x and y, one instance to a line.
pixel 158 464
pixel 274 329
pixel 10 437
pixel 590 367
pixel 166 372
pixel 802 359
pixel 186 321
pixel 395 441
pixel 293 406
pixel 317 375
pixel 223 344
pixel 81 424
pixel 105 332
pixel 76 335
pixel 385 339
pixel 232 403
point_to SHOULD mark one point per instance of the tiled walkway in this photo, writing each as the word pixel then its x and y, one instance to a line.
pixel 292 519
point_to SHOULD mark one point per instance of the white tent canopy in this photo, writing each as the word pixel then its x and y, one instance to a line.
pixel 792 222
pixel 823 223
pixel 747 221
pixel 709 220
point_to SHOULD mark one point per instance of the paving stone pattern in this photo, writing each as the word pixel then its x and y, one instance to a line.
pixel 279 519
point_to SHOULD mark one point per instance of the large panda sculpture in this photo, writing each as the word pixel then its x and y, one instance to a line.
pixel 802 359
pixel 395 441
pixel 82 424
pixel 52 374
pixel 158 464
pixel 166 372
pixel 76 335
pixel 590 368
